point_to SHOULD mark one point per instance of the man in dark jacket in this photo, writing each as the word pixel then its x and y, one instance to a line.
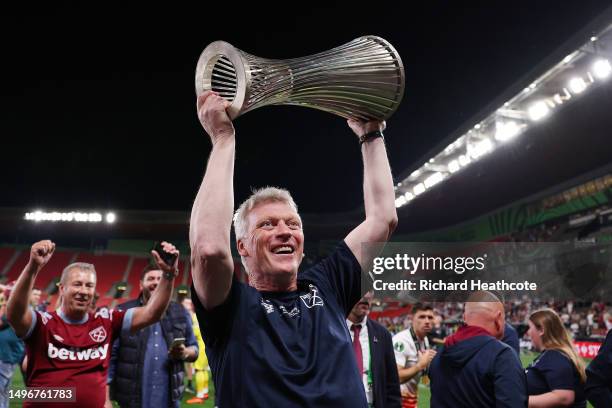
pixel 599 376
pixel 475 369
pixel 147 368
pixel 511 338
pixel 373 349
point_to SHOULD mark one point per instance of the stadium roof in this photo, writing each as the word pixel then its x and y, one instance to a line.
pixel 522 107
pixel 510 150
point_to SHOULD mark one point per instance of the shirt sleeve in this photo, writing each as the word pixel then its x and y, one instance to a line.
pixel 399 349
pixel 558 371
pixel 32 325
pixel 216 323
pixel 121 321
pixel 341 272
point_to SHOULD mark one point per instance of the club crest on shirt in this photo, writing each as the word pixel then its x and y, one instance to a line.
pixel 312 299
pixel 399 347
pixel 294 312
pixel 267 305
pixel 98 334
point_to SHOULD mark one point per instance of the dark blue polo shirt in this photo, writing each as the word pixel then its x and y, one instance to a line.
pixel 287 349
pixel 552 370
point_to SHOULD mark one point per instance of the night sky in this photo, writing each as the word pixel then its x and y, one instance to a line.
pixel 98 106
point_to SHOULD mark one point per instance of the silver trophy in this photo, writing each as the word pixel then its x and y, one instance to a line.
pixel 363 79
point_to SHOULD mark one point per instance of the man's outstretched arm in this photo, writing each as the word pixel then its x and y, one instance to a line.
pixel 211 216
pixel 155 308
pixel 378 193
pixel 17 310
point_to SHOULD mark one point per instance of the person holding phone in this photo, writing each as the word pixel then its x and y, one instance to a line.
pixel 70 347
pixel 147 368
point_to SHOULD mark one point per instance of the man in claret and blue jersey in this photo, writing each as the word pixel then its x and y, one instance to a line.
pixel 70 347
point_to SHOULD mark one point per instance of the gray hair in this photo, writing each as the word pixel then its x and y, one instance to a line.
pixel 84 266
pixel 261 195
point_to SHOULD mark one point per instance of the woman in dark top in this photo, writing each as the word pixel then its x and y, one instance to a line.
pixel 556 377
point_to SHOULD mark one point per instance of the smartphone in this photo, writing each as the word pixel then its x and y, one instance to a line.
pixel 167 257
pixel 177 342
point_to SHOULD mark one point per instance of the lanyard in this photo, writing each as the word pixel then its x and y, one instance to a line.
pixel 417 345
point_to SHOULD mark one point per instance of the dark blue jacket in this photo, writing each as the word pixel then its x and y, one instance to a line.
pixel 599 376
pixel 511 338
pixel 385 387
pixel 478 372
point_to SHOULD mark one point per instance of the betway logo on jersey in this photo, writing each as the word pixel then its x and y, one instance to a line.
pixel 80 355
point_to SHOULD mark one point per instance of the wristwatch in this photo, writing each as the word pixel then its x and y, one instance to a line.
pixel 169 275
pixel 370 135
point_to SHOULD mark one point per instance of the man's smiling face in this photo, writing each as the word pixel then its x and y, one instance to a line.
pixel 274 242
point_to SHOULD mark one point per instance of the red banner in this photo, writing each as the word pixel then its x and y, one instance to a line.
pixel 587 349
pixel 391 312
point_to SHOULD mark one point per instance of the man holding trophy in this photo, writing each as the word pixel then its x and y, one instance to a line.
pixel 281 340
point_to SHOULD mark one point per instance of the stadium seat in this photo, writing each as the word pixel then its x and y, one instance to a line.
pixel 110 268
pixel 5 256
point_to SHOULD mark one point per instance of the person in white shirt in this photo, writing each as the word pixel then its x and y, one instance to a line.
pixel 413 353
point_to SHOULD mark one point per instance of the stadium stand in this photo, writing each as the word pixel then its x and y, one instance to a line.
pixel 20 260
pixel 133 277
pixel 110 268
pixel 6 254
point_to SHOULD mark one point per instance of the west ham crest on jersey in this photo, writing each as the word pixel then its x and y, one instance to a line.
pixel 98 334
pixel 312 298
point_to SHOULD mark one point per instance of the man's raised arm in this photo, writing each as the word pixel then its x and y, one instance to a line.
pixel 153 311
pixel 18 312
pixel 211 216
pixel 378 192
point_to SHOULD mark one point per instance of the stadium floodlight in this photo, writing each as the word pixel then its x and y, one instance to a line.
pixel 400 201
pixel 602 69
pixel 408 196
pixel 56 216
pixel 576 85
pixel 481 148
pixel 538 110
pixel 464 160
pixel 111 217
pixel 505 131
pixel 433 179
pixel 576 73
pixel 418 189
pixel 453 166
